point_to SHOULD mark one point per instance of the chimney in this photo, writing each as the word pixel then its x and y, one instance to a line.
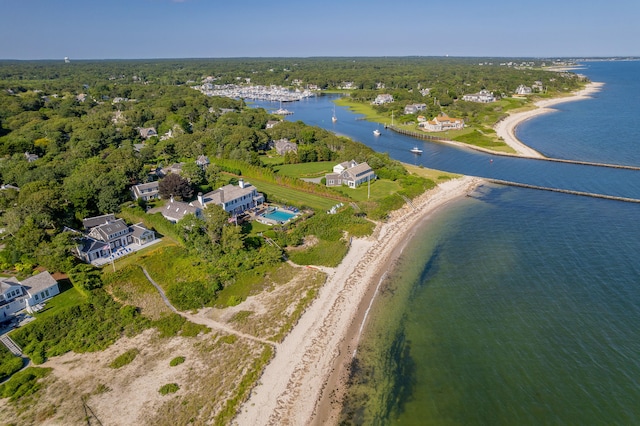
pixel 241 183
pixel 201 199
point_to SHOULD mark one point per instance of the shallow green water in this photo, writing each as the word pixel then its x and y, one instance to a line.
pixel 511 307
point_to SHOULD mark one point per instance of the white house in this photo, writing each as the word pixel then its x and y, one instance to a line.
pixel 523 90
pixel 351 174
pixel 483 96
pixel 28 294
pixel 146 191
pixel 233 199
pixel 414 108
pixel 383 99
pixel 105 234
pixel 175 211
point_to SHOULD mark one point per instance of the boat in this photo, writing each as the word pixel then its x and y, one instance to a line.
pixel 376 132
pixel 282 111
pixel 334 118
pixel 416 150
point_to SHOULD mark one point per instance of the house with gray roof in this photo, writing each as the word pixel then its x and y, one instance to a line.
pixel 351 174
pixel 146 191
pixel 105 235
pixel 92 222
pixel 233 199
pixel 282 146
pixel 174 211
pixel 28 294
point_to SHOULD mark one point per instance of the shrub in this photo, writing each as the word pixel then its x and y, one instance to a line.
pixel 124 359
pixel 169 388
pixel 9 363
pixel 177 361
pixel 23 383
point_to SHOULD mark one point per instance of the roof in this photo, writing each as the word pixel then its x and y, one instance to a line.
pixel 7 283
pixel 176 210
pixel 150 185
pixel 91 244
pixel 138 230
pixel 92 222
pixel 224 195
pixel 39 282
pixel 202 160
pixel 109 229
pixel 361 169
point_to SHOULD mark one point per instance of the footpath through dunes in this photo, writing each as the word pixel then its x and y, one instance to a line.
pixel 203 320
pixel 302 382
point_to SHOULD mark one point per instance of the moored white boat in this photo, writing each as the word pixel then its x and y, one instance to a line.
pixel 376 132
pixel 416 150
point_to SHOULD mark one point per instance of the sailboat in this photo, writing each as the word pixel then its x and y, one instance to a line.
pixel 334 118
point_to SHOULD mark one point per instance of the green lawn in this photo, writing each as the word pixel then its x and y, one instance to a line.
pixel 306 170
pixel 68 297
pixel 277 193
pixel 379 189
pixel 275 160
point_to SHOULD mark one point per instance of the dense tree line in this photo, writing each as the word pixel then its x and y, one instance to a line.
pixel 82 120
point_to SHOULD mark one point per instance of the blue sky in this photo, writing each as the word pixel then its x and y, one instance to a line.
pixel 129 29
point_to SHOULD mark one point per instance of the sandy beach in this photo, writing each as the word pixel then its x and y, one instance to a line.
pixel 507 127
pixel 299 385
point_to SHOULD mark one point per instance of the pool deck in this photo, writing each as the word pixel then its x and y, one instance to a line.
pixel 259 215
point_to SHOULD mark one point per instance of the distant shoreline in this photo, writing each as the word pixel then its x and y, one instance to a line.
pixel 506 128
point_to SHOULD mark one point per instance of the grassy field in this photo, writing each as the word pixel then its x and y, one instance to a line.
pixel 437 176
pixel 305 170
pixel 277 193
pixel 68 297
pixel 268 160
pixel 379 189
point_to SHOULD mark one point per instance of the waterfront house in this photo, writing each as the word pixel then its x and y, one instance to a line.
pixel 350 173
pixel 384 98
pixel 442 123
pixel 483 96
pixel 146 191
pixel 233 199
pixel 28 294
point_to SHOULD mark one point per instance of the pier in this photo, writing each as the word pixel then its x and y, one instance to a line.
pixel 419 135
pixel 563 191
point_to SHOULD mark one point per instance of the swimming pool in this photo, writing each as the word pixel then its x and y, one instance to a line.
pixel 279 215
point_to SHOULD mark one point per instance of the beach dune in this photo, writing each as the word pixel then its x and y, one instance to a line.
pixel 303 382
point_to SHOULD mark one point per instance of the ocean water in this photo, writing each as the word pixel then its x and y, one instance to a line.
pixel 515 306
